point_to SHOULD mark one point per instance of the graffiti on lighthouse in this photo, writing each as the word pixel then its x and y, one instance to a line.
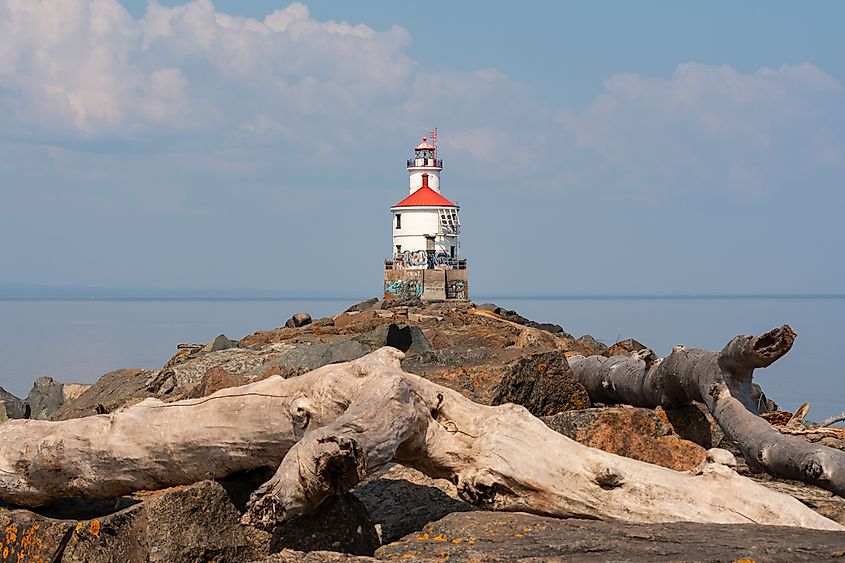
pixel 426 260
pixel 420 258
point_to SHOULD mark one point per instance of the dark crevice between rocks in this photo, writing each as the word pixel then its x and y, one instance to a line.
pixel 239 486
pixel 83 509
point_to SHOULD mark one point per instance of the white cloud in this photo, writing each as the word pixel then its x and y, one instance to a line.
pixel 713 126
pixel 290 85
pixel 88 69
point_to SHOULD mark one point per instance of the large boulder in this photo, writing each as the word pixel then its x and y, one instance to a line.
pixel 588 345
pixel 624 348
pixel 408 338
pixel 516 536
pixel 352 318
pixel 631 432
pixel 298 320
pixel 543 383
pixel 112 391
pixel 200 522
pixel 219 342
pixel 214 380
pixel 45 398
pixel 365 305
pixel 340 523
pixel 166 382
pixel 12 407
pixel 403 500
pixel 292 359
pixel 321 556
pixel 695 423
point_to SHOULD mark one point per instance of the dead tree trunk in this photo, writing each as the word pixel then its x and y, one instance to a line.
pixel 327 429
pixel 722 381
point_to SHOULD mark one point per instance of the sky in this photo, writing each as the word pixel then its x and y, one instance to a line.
pixel 594 147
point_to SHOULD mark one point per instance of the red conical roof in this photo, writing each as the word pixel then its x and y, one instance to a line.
pixel 425 197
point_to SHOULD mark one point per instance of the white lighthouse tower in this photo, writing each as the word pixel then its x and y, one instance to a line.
pixel 426 230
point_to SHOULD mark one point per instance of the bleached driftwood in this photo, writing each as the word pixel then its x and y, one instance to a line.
pixel 832 420
pixel 327 429
pixel 722 381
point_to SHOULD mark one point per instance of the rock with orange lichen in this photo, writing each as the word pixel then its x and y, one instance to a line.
pixel 624 347
pixel 543 383
pixel 516 536
pixel 200 522
pixel 631 432
pixel 28 538
pixel 321 556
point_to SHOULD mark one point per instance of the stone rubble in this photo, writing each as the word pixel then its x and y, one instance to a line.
pixel 490 354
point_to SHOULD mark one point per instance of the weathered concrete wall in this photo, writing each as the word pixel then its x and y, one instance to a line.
pixel 403 284
pixel 428 285
pixel 457 284
pixel 434 285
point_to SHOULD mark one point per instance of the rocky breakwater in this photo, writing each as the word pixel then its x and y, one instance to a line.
pixel 490 355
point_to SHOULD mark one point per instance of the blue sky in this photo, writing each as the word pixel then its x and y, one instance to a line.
pixel 595 147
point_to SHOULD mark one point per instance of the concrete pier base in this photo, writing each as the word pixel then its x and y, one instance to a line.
pixel 427 284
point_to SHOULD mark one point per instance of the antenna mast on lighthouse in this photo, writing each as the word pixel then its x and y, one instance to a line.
pixel 433 137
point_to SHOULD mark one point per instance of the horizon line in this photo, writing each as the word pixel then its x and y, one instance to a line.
pixel 243 295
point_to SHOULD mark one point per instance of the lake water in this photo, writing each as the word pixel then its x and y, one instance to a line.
pixel 77 341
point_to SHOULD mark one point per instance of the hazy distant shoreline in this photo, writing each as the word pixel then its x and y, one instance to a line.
pixel 119 294
pixel 79 339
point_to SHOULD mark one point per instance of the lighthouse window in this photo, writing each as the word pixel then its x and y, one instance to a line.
pixel 398 220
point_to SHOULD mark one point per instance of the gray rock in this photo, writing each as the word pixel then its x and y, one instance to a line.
pixel 200 522
pixel 292 556
pixel 587 341
pixel 403 500
pixel 298 320
pixel 543 383
pixel 112 391
pixel 12 406
pixel 394 303
pixel 365 305
pixel 219 342
pixel 554 329
pixel 296 359
pixel 492 307
pixel 695 423
pixel 408 338
pixel 45 398
pixel 498 536
pixel 341 523
pixel 764 404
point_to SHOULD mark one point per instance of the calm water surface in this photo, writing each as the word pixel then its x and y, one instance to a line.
pixel 77 341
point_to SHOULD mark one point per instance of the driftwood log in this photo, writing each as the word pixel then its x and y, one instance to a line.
pixel 327 429
pixel 722 381
pixel 832 420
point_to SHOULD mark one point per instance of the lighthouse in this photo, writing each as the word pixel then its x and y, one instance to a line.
pixel 426 261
